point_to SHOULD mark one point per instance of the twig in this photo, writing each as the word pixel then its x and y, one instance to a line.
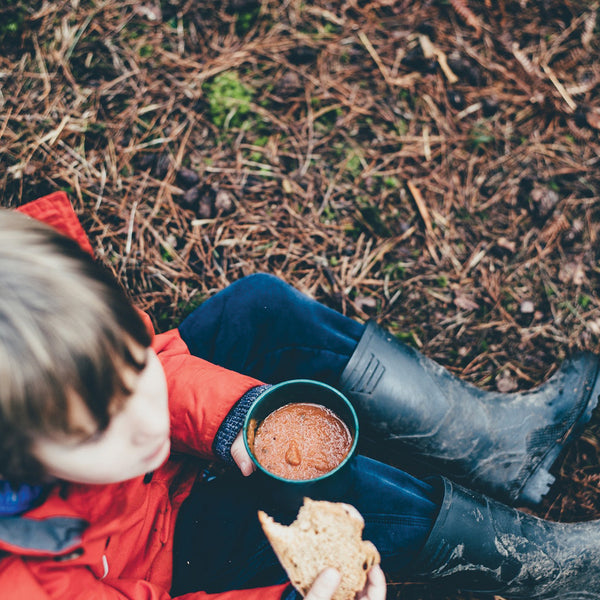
pixel 560 87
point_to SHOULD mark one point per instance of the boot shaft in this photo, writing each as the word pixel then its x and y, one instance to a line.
pixel 480 545
pixel 501 444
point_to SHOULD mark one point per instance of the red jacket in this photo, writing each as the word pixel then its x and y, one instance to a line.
pixel 109 542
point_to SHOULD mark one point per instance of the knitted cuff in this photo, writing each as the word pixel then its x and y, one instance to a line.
pixel 234 421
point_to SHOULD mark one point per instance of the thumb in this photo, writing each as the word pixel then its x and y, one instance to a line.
pixel 324 585
pixel 241 457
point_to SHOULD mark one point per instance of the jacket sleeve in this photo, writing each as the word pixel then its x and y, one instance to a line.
pixel 50 582
pixel 201 394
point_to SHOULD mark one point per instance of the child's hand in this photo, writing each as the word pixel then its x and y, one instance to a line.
pixel 327 582
pixel 241 457
pixel 375 588
pixel 324 586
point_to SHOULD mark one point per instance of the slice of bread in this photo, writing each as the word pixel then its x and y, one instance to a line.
pixel 324 534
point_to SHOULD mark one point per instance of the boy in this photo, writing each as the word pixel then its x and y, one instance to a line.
pixel 102 424
pixel 85 427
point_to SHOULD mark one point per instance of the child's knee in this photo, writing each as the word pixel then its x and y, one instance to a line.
pixel 262 292
pixel 262 285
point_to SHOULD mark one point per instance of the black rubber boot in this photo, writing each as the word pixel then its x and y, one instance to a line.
pixel 500 444
pixel 480 545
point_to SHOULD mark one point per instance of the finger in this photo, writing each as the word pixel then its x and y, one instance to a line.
pixel 241 457
pixel 324 585
pixel 376 584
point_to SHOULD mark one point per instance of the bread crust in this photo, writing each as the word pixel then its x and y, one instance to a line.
pixel 324 534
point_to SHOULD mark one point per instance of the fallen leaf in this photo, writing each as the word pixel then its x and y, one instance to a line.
pixel 572 272
pixel 464 302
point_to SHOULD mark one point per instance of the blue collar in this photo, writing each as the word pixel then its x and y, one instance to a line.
pixel 14 501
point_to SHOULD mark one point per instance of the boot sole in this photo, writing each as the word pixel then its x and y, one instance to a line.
pixel 538 484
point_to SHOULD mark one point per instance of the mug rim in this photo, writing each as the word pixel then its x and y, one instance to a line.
pixel 316 383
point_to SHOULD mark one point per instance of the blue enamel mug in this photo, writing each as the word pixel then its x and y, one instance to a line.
pixel 289 493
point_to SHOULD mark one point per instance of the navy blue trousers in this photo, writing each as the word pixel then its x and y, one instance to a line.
pixel 262 327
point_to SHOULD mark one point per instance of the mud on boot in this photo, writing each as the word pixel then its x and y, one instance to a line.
pixel 480 545
pixel 501 444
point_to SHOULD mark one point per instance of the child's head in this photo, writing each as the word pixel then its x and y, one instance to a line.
pixel 72 353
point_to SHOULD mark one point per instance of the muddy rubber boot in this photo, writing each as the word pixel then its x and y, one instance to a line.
pixel 480 545
pixel 503 445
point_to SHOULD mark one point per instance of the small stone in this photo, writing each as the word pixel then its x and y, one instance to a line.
pixel 223 202
pixel 190 198
pixel 205 207
pixel 505 382
pixel 188 177
pixel 572 272
pixel 527 307
pixel 544 200
pixel 289 84
pixel 489 106
pixel 456 99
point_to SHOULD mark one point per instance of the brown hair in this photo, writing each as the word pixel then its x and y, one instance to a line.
pixel 65 327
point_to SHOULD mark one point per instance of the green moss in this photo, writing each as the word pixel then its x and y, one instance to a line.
pixel 228 100
pixel 12 24
pixel 146 50
pixel 328 214
pixel 354 165
pixel 584 301
pixel 391 182
pixel 246 19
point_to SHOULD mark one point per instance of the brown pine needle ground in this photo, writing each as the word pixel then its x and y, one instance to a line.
pixel 433 165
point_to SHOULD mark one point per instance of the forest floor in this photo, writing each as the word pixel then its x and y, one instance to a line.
pixel 431 165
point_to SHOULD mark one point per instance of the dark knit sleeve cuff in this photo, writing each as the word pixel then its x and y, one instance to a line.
pixel 234 421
